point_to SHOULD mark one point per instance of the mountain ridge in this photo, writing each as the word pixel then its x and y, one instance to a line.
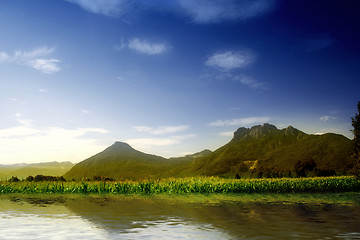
pixel 262 150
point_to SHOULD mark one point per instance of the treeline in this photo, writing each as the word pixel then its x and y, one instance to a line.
pixel 43 178
pixel 39 178
pixel 302 168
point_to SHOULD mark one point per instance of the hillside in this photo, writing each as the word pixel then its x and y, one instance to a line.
pixel 267 151
pixel 119 161
pixel 257 151
pixel 24 170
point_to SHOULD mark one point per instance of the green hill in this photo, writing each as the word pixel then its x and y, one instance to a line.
pixel 25 170
pixel 257 151
pixel 119 161
pixel 267 151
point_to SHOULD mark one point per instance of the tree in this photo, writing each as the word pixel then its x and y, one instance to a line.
pixel 14 179
pixel 30 178
pixel 302 168
pixel 356 141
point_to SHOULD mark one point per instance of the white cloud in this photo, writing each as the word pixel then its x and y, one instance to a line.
pixel 250 82
pixel 230 60
pixel 36 53
pixel 240 121
pixel 34 59
pixel 146 143
pixel 84 111
pixel 246 80
pixel 16 100
pixel 26 143
pixel 226 134
pixel 200 11
pixel 142 46
pixel 327 118
pixel 43 90
pixel 185 137
pixel 161 129
pixel 111 8
pixel 4 57
pixel 213 11
pixel 47 66
pixel 142 143
pixel 22 121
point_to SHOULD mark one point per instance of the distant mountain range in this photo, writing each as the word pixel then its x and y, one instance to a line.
pixel 24 170
pixel 262 150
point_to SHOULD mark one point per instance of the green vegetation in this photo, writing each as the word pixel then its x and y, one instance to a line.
pixel 119 161
pixel 265 151
pixel 356 142
pixel 261 151
pixel 203 185
pixel 23 170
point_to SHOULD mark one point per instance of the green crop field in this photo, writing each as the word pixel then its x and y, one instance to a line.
pixel 190 185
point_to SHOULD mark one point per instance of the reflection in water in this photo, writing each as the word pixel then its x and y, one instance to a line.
pixel 105 217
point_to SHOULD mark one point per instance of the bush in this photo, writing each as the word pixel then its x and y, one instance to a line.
pixel 41 178
pixel 14 179
pixel 30 178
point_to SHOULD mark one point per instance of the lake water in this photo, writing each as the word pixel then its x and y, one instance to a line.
pixel 190 217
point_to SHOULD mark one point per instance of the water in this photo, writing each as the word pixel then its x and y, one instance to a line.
pixel 126 217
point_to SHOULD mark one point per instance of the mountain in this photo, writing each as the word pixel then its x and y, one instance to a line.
pixel 24 170
pixel 119 161
pixel 264 150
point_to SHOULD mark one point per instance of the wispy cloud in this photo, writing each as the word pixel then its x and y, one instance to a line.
pixel 145 143
pixel 43 90
pixel 162 129
pixel 184 137
pixel 240 121
pixel 230 60
pixel 111 8
pixel 47 66
pixel 143 46
pixel 226 134
pixel 171 137
pixel 227 62
pixel 214 11
pixel 200 11
pixel 244 79
pixel 34 59
pixel 141 143
pixel 250 82
pixel 327 118
pixel 85 111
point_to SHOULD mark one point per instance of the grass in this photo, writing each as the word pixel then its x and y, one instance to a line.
pixel 203 185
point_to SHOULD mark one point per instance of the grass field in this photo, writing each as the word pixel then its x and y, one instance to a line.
pixel 190 185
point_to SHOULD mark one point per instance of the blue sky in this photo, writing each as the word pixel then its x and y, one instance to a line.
pixel 170 77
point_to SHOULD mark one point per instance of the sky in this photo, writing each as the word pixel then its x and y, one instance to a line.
pixel 171 77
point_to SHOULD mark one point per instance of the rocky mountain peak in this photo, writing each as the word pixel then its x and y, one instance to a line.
pixel 261 130
pixel 255 131
pixel 240 133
